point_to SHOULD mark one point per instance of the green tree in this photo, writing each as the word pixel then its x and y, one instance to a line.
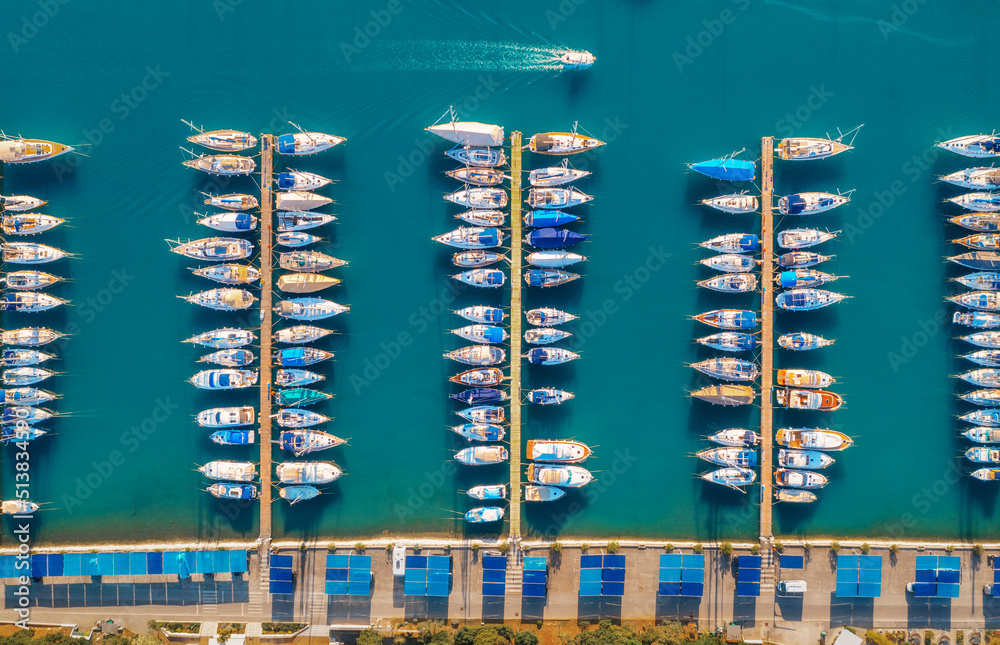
pixel 698 548
pixel 525 638
pixel 613 547
pixel 369 637
pixel 865 548
pixel 488 636
pixel 726 549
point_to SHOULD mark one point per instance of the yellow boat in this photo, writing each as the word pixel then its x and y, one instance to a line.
pixel 305 282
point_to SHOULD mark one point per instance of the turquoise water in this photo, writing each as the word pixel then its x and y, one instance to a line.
pixel 672 85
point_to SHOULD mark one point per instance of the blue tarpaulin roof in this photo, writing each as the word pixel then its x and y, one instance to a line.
pixel 937 576
pixel 791 562
pixel 427 575
pixel 127 563
pixel 349 575
pixel 681 575
pixel 727 169
pixel 795 204
pixel 553 238
pixel 859 576
pixel 602 575
pixel 748 575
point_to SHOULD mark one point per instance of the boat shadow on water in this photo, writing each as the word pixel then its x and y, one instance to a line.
pixel 305 519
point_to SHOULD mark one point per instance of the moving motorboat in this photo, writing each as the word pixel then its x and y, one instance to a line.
pixel 577 59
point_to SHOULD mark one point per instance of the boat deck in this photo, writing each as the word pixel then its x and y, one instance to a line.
pixel 515 335
pixel 266 291
pixel 767 331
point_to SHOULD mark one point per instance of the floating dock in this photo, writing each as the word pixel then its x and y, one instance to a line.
pixel 766 332
pixel 515 335
pixel 266 291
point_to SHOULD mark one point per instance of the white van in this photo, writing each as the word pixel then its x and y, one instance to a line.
pixel 398 560
pixel 788 587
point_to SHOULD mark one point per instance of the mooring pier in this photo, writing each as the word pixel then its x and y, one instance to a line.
pixel 767 331
pixel 515 335
pixel 266 290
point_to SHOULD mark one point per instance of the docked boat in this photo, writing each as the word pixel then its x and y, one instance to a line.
pixel 548 218
pixel 28 280
pixel 550 356
pixel 735 437
pixel 807 299
pixel 730 263
pixel 215 249
pixel 477 217
pixel 20 150
pixel 20 203
pixel 978 260
pixel 487 377
pixel 794 495
pixel 233 437
pixel 477 176
pixel 978 319
pixel 23 357
pixel 558 451
pixel 295 239
pixel 976 178
pixel 222 140
pixel 733 243
pixel 488 491
pixel 986 474
pixel 296 418
pixel 486 278
pixel 222 299
pixel 20 434
pixel 224 490
pixel 234 222
pixel 577 59
pixel 736 203
pixel 293 180
pixel 224 379
pixel 308 309
pixel 812 439
pixel 296 377
pixel 976 145
pixel 484 514
pixel 480 333
pixel 479 197
pixel 982 222
pixel 482 455
pixel 562 143
pixel 983 455
pixel 25 414
pixel 726 395
pixel 480 355
pixel 980 241
pixel 225 338
pixel 223 165
pixel 468 133
pixel 472 237
pixel 980 202
pixel 811 203
pixel 811 148
pixel 728 318
pixel 226 417
pixel 548 396
pixel 300 356
pixel 984 357
pixel 803 341
pixel 473 259
pixel 729 456
pixel 732 477
pixel 29 336
pixel 299 396
pixel 26 396
pixel 305 143
pixel 300 200
pixel 31 253
pixel 229 273
pixel 731 283
pixel 308 472
pixel 295 494
pixel 553 259
pixel 26 375
pixel 728 369
pixel 555 175
pixel 727 168
pixel 480 431
pixel 801 259
pixel 796 399
pixel 229 357
pixel 547 316
pixel 28 223
pixel 480 396
pixel 988 398
pixel 981 281
pixel 803 238
pixel 482 157
pixel 482 314
pixel 232 201
pixel 982 434
pixel 309 261
pixel 493 414
pixel 799 479
pixel 303 441
pixel 548 277
pixel 803 279
pixel 544 335
pixel 804 378
pixel 990 418
pixel 29 301
pixel 239 471
pixel 305 282
pixel 987 339
pixel 979 300
pixel 563 476
pixel 556 198
pixel 300 334
pixel 803 459
pixel 536 493
pixel 729 341
pixel 292 221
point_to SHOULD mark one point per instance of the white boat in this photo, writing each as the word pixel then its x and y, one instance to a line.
pixel 29 336
pixel 467 133
pixel 980 201
pixel 555 175
pixel 300 334
pixel 29 301
pixel 299 200
pixel 224 379
pixel 215 249
pixel 480 431
pixel 18 357
pixel 561 476
pixel 482 157
pixel 25 414
pixel 18 507
pixel 471 237
pixel 562 143
pixel 289 221
pixel 544 335
pixel 555 198
pixel 484 514
pixel 986 474
pixel 730 263
pixel 803 238
pixel 304 442
pixel 17 203
pixel 29 280
pixel 812 439
pixel 482 314
pixel 735 437
pixel 478 355
pixel 481 333
pixel 296 180
pixel 308 472
pixel 811 203
pixel 223 490
pixel 558 450
pixel 804 378
pixel 29 223
pixel 479 197
pixel 232 201
pixel 295 494
pixel 488 491
pixel 536 493
pixel 226 417
pixel 305 143
pixel 810 148
pixel 229 357
pixel 294 239
pixel 309 309
pixel 224 165
pixel 229 273
pixel 30 253
pixel 222 140
pixel 804 459
pixel 310 261
pixel 222 299
pixel 577 59
pixel 548 316
pixel 734 203
pixel 799 479
pixel 982 434
pixel 296 377
pixel 296 418
pixel 482 455
pixel 237 471
pixel 976 145
pixel 975 178
pixel 484 218
pixel 20 150
pixel 232 222
pixel 225 338
pixel 26 375
pixel 731 283
pixel 550 355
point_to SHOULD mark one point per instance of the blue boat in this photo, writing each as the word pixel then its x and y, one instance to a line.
pixel 729 341
pixel 480 431
pixel 300 356
pixel 988 418
pixel 548 218
pixel 548 277
pixel 489 278
pixel 303 441
pixel 299 396
pixel 17 357
pixel 230 490
pixel 802 341
pixel 726 168
pixel 480 395
pixel 554 238
pixel 10 434
pixel 233 437
pixel 977 319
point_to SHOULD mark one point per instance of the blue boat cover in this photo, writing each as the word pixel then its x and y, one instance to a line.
pixel 547 277
pixel 727 169
pixel 548 218
pixel 788 279
pixel 749 242
pixel 286 144
pixel 795 204
pixel 233 437
pixel 244 221
pixel 285 180
pixel 552 238
pixel 478 395
pixel 293 357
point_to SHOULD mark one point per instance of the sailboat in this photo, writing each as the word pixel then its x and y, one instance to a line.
pixel 729 341
pixel 300 334
pixel 737 203
pixel 480 431
pixel 29 336
pixel 229 273
pixel 727 168
pixel 225 338
pixel 731 283
pixel 309 309
pixel 229 357
pixel 240 471
pixel 482 314
pixel 222 140
pixel 17 203
pixel 480 355
pixel 215 249
pixel 976 145
pixel 728 318
pixel 21 150
pixel 305 143
pixel 308 472
pixel 296 377
pixel 467 133
pixel 232 222
pixel 479 377
pixel 981 177
pixel 732 477
pixel 811 203
pixel 309 261
pixel 232 201
pixel 485 218
pixel 23 357
pixel 223 165
pixel 222 299
pixel 303 441
pixel 728 369
pixel 803 238
pixel 562 143
pixel 726 395
pixel 802 341
pixel 296 180
pixel 555 175
pixel 733 243
pixel 478 176
pixel 31 253
pixel 811 148
pixel 547 316
pixel 29 223
pixel 305 282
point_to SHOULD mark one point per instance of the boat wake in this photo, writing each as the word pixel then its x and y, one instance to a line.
pixel 451 55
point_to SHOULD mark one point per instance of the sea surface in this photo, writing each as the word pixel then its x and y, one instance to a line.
pixel 673 84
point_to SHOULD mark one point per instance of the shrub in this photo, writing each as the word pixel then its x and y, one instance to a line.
pixel 525 638
pixel 281 628
pixel 332 546
pixel 503 548
pixel 417 548
pixel 928 637
pixel 755 549
pixel 475 547
pixel 302 547
pixel 668 547
pixel 779 546
pixel 613 547
pixel 224 635
pixel 950 548
pixel 539 623
pixel 447 548
pixel 697 548
pixel 977 550
pixel 389 547
pixel 872 637
pixel 359 548
pixel 369 637
pixel 555 547
pixel 894 549
pixel 835 548
pixel 807 546
pixel 726 549
pixel 865 548
pixel 584 547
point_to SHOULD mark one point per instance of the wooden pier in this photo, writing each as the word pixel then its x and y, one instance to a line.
pixel 515 335
pixel 766 332
pixel 266 289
